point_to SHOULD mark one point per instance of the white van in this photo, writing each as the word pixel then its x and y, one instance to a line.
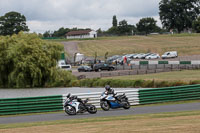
pixel 63 65
pixel 170 54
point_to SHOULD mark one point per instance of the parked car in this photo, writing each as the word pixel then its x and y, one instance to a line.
pixel 130 55
pixel 103 66
pixel 152 56
pixel 62 64
pixel 138 56
pixel 134 56
pixel 145 55
pixel 66 67
pixel 170 54
pixel 113 58
pixel 84 69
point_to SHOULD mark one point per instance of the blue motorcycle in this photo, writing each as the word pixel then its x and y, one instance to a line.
pixel 113 101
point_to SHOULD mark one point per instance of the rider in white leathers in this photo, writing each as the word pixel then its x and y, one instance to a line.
pixel 109 91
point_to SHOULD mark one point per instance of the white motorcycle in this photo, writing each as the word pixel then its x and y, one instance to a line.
pixel 74 105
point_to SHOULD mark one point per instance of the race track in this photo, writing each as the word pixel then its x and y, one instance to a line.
pixel 117 112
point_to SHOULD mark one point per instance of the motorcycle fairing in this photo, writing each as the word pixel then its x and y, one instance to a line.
pixel 114 105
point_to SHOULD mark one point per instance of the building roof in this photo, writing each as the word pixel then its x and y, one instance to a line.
pixel 78 32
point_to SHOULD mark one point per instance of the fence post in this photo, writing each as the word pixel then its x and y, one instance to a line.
pixel 171 67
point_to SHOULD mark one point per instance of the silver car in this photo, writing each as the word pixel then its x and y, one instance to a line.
pixel 152 56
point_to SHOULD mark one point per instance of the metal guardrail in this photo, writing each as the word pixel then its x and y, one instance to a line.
pixel 10 106
pixel 168 94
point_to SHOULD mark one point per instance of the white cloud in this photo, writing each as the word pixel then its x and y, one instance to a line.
pixel 45 15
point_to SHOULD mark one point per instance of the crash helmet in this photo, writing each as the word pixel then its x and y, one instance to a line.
pixel 107 87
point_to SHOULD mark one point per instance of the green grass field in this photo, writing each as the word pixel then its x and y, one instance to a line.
pixel 184 75
pixel 185 44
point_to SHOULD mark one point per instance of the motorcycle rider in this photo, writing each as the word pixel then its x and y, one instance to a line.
pixel 109 91
pixel 78 99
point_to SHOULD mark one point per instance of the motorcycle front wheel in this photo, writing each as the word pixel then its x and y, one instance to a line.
pixel 105 106
pixel 126 105
pixel 70 110
pixel 92 109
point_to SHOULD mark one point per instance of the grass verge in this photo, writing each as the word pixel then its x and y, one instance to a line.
pixel 184 75
pixel 134 106
pixel 165 122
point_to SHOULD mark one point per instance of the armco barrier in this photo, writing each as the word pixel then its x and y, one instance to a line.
pixel 10 106
pixel 167 94
pixel 136 96
pixel 193 62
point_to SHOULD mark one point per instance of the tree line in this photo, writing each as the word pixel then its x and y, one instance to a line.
pixel 175 15
pixel 143 27
pixel 61 32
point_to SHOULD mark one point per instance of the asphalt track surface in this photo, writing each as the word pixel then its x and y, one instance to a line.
pixel 100 113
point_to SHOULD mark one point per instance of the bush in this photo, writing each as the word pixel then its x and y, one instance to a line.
pixel 195 82
pixel 75 83
pixel 62 78
pixel 131 83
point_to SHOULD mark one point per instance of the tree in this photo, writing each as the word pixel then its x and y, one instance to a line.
pixel 147 25
pixel 114 22
pixel 12 23
pixel 95 57
pixel 28 61
pixel 99 32
pixel 47 34
pixel 124 28
pixel 60 32
pixel 6 64
pixel 196 25
pixel 106 56
pixel 113 30
pixel 178 14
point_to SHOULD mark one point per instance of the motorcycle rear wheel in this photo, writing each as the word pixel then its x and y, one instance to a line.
pixel 105 106
pixel 126 105
pixel 70 110
pixel 92 109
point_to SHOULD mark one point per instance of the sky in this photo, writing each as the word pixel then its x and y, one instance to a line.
pixel 44 15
